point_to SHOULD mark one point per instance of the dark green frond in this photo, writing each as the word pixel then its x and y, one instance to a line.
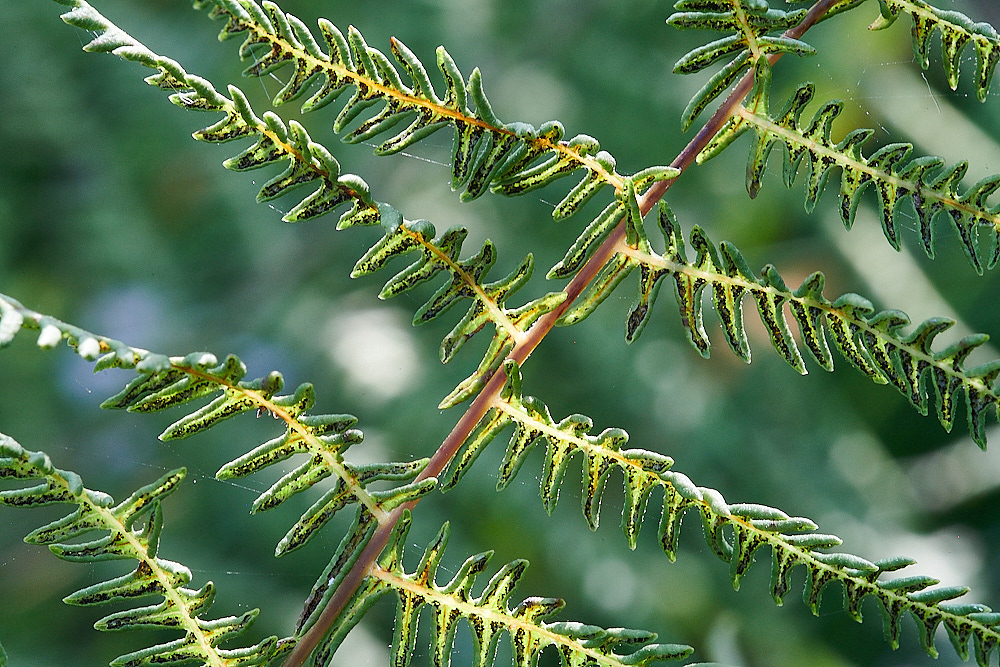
pixel 930 186
pixel 533 425
pixel 756 32
pixel 734 532
pixel 163 382
pixel 872 341
pixel 488 615
pixel 129 530
pixel 957 31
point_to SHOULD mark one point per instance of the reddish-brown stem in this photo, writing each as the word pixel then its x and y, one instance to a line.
pixel 484 400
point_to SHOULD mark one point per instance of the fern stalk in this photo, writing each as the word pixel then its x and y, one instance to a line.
pixel 489 397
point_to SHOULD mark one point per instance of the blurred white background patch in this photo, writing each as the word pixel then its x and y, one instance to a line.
pixel 375 349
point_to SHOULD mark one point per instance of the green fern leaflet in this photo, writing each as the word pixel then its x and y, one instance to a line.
pixel 488 615
pixel 734 532
pixel 132 532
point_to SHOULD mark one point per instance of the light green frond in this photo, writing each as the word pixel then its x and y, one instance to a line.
pixel 305 162
pixel 734 532
pixel 488 615
pixel 957 31
pixel 467 281
pixel 130 531
pixel 874 342
pixel 508 157
pixel 163 382
pixel 533 425
pixel 754 26
pixel 930 186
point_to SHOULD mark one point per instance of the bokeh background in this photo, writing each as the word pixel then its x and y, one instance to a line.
pixel 113 219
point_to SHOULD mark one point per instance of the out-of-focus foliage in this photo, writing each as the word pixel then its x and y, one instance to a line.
pixel 92 229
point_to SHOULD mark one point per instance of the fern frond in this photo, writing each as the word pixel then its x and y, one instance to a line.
pixel 533 160
pixel 734 532
pixel 488 615
pixel 305 161
pixel 957 31
pixel 163 382
pixel 533 424
pixel 487 151
pixel 872 341
pixel 926 182
pixel 439 255
pixel 753 24
pixel 507 158
pixel 133 532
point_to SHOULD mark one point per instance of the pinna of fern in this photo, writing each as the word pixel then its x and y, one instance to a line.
pixel 734 532
pixel 872 341
pixel 957 31
pixel 488 615
pixel 487 151
pixel 132 533
pixel 163 382
pixel 925 181
pixel 753 24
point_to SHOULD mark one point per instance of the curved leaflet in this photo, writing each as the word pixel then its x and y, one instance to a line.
pixel 131 531
pixel 164 382
pixel 926 182
pixel 488 615
pixel 734 532
pixel 957 31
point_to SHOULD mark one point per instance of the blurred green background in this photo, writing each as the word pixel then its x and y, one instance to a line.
pixel 113 219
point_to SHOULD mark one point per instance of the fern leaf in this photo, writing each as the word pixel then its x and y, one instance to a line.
pixel 488 614
pixel 533 425
pixel 734 532
pixel 872 341
pixel 931 187
pixel 517 159
pixel 276 143
pixel 133 530
pixel 323 438
pixel 467 281
pixel 514 158
pixel 753 23
pixel 957 31
pixel 509 157
pixel 164 382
